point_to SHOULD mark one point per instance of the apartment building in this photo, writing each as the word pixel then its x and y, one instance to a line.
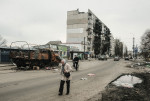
pixel 80 27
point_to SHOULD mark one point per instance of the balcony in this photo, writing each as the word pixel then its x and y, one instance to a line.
pixel 90 18
pixel 90 21
pixel 89 36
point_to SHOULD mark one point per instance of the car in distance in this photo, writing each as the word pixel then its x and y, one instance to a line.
pixel 102 57
pixel 116 58
pixel 126 58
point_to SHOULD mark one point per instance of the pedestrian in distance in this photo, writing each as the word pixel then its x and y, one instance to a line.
pixel 76 62
pixel 65 77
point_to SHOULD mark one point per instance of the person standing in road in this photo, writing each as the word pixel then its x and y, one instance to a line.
pixel 76 61
pixel 65 77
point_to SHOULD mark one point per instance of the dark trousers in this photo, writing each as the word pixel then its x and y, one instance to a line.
pixel 62 86
pixel 76 65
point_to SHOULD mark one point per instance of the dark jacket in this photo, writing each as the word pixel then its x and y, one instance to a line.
pixel 76 59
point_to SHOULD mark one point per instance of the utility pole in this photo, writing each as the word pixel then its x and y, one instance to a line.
pixel 84 47
pixel 133 46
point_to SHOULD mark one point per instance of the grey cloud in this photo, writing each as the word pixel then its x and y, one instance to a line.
pixel 39 21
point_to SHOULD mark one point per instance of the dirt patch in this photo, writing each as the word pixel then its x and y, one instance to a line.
pixel 140 92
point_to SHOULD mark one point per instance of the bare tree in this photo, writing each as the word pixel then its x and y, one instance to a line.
pixel 145 43
pixel 146 40
pixel 2 41
pixel 125 51
pixel 118 48
pixel 97 38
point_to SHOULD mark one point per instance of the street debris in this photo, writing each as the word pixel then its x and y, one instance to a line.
pixel 14 64
pixel 90 74
pixel 139 65
pixel 83 79
pixel 55 69
pixel 127 81
pixel 36 67
pixel 47 68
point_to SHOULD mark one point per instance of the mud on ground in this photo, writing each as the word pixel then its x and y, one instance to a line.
pixel 140 92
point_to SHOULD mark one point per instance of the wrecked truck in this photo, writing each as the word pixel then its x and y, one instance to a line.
pixel 28 58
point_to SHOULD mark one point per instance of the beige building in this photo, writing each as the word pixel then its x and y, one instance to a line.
pixel 80 28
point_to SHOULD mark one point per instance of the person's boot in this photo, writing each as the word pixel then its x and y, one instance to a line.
pixel 60 94
pixel 61 87
pixel 68 87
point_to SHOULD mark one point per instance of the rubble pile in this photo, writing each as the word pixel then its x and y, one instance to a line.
pixel 139 65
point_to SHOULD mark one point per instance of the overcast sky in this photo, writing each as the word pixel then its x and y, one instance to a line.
pixel 40 21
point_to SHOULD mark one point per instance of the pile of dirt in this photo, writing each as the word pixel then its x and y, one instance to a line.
pixel 140 92
pixel 138 65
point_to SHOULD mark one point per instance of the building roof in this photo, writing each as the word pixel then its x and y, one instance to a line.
pixel 54 42
pixel 72 43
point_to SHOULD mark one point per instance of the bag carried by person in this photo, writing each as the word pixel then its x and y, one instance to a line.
pixel 67 75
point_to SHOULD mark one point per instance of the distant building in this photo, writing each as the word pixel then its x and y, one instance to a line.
pixel 75 49
pixel 4 55
pixel 54 42
pixel 57 47
pixel 112 46
pixel 75 46
pixel 80 27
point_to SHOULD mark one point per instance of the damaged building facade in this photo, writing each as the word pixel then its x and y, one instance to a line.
pixel 86 30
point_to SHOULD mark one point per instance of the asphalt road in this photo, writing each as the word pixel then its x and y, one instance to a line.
pixel 45 88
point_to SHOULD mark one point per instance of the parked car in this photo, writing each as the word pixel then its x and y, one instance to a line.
pixel 116 58
pixel 102 57
pixel 126 58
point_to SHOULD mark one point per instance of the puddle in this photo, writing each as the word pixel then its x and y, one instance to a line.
pixel 127 81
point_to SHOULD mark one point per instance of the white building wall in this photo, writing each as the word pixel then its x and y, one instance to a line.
pixel 77 24
pixel 76 27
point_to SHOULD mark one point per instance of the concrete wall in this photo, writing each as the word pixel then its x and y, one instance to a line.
pixel 76 26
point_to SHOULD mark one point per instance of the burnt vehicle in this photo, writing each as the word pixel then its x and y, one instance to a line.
pixel 34 57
